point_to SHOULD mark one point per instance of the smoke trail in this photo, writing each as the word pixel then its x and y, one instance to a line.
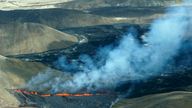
pixel 130 60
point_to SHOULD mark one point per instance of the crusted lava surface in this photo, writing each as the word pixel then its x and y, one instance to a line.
pixel 79 100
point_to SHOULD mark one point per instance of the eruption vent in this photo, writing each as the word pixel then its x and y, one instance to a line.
pixel 25 92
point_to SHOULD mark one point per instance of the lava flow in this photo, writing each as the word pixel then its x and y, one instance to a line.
pixel 57 94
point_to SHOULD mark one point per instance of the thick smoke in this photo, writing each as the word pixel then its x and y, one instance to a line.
pixel 129 60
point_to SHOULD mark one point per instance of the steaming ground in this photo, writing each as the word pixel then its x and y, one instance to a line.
pixel 127 61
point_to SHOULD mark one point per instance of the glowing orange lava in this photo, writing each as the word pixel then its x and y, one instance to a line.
pixel 57 94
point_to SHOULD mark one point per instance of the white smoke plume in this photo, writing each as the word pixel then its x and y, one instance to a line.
pixel 130 60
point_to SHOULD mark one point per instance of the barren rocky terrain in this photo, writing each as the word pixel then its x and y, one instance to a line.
pixel 34 35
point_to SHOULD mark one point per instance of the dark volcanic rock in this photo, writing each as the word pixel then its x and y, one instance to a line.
pixel 94 37
pixel 56 18
pixel 178 80
pixel 101 101
pixel 126 11
pixel 87 4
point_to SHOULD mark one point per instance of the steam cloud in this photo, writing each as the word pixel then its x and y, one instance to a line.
pixel 129 60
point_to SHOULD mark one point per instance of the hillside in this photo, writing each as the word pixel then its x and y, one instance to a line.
pixel 80 4
pixel 56 18
pixel 164 100
pixel 26 38
pixel 14 74
pixel 88 4
pixel 29 4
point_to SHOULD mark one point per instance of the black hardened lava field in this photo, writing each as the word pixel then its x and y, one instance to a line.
pixel 95 54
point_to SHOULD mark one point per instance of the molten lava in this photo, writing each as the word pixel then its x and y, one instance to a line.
pixel 26 92
pixel 57 94
pixel 67 94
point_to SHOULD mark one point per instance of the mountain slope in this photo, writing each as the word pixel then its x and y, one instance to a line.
pixel 55 18
pixel 14 74
pixel 88 4
pixel 164 100
pixel 26 38
pixel 29 4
